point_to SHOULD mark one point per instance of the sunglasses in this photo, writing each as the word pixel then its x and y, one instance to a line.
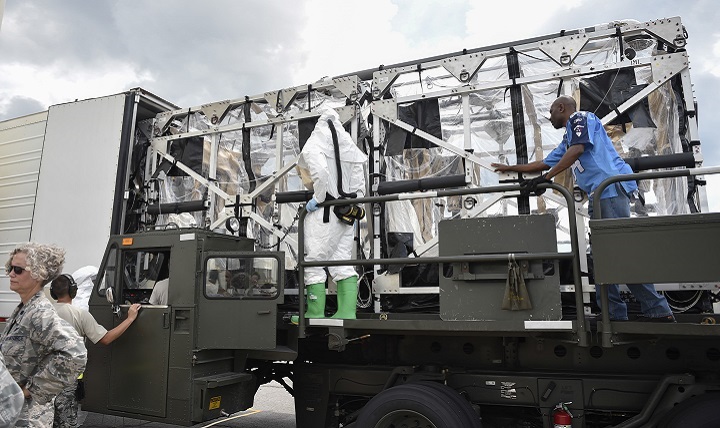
pixel 17 269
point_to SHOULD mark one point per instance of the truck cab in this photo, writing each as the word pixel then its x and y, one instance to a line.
pixel 221 309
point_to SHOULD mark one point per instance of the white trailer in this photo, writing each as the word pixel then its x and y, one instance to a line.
pixel 62 176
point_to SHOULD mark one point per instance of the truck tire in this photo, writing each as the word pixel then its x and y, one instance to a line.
pixel 418 404
pixel 697 412
pixel 472 418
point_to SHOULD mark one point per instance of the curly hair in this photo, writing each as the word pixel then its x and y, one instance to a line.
pixel 44 261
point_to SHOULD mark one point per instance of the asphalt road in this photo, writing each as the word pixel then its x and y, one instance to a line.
pixel 273 408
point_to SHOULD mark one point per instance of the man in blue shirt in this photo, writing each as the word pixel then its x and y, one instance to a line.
pixel 589 152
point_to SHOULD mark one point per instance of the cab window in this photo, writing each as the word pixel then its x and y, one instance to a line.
pixel 241 277
pixel 142 271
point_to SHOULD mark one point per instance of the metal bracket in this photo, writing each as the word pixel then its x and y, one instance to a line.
pixel 346 113
pixel 464 67
pixel 563 50
pixel 280 100
pixel 216 112
pixel 386 284
pixel 666 66
pixel 348 86
pixel 246 203
pixel 670 30
pixel 387 109
pixel 382 79
pixel 161 121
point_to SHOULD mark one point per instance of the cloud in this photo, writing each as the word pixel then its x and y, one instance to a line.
pixel 218 49
pixel 420 21
pixel 54 84
pixel 17 106
pixel 185 51
pixel 502 23
pixel 340 40
pixel 192 53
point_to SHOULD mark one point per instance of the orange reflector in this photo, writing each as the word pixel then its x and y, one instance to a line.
pixel 127 241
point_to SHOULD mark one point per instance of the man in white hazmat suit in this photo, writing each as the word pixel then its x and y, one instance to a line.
pixel 326 237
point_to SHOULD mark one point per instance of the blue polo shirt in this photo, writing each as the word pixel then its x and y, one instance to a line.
pixel 599 161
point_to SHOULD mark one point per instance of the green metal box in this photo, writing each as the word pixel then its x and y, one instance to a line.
pixel 667 249
pixel 474 291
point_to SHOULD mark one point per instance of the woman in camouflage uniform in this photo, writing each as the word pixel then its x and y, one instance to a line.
pixel 42 352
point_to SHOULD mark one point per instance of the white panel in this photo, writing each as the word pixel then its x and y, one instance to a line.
pixel 21 141
pixel 77 178
pixel 325 322
pixel 548 325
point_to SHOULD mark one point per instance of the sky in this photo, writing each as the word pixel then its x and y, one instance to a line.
pixel 195 52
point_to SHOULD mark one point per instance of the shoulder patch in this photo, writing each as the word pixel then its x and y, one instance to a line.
pixel 578 123
pixel 578 129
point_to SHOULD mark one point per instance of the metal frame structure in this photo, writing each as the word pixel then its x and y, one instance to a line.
pixel 562 57
pixel 522 362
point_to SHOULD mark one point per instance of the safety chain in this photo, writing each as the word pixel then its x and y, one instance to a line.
pixel 287 231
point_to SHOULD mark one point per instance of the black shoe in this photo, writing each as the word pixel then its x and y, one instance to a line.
pixel 668 319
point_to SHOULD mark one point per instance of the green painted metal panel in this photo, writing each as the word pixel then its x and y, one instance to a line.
pixel 139 361
pixel 661 249
pixel 474 291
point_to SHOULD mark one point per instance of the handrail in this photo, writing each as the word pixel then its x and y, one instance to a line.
pixel 574 253
pixel 643 175
pixel 597 215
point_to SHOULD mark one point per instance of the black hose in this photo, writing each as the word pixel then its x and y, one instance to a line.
pixel 336 148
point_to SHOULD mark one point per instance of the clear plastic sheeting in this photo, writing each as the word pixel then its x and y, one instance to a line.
pixel 492 134
pixel 472 116
pixel 239 173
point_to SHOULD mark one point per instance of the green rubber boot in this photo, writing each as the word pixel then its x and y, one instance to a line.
pixel 347 290
pixel 315 302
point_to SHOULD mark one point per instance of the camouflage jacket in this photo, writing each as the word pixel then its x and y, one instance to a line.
pixel 42 352
pixel 11 397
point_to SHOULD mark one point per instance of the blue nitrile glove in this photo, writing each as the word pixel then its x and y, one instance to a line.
pixel 312 205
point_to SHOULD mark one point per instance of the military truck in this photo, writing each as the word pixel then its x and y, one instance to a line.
pixel 216 209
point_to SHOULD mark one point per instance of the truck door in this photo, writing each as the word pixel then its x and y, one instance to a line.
pixel 238 300
pixel 140 356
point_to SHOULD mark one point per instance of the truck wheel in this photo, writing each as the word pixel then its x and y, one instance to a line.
pixel 697 412
pixel 472 418
pixel 418 404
